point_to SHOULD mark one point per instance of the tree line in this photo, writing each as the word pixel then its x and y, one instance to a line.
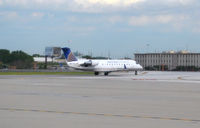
pixel 18 59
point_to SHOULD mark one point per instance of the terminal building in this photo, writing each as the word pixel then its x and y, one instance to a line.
pixel 171 60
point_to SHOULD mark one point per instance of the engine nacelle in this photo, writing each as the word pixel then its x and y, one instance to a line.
pixel 88 63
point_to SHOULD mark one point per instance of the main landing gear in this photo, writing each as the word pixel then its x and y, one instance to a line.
pixel 96 73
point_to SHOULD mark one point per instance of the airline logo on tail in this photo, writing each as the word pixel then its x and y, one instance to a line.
pixel 69 55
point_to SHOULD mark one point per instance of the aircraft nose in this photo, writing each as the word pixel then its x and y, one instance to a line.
pixel 140 67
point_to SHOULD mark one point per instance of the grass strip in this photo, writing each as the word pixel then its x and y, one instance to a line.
pixel 46 73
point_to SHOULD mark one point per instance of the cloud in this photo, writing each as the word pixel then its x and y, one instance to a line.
pixel 157 19
pixel 108 2
pixel 164 18
pixel 96 5
pixel 34 2
pixel 115 19
pixel 139 21
pixel 177 13
pixel 9 15
pixel 196 26
pixel 1 2
pixel 37 15
pixel 196 29
pixel 72 19
pixel 180 2
pixel 81 29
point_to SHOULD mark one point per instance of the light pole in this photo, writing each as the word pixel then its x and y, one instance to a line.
pixel 148 45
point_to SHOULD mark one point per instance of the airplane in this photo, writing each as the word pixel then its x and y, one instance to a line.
pixel 100 66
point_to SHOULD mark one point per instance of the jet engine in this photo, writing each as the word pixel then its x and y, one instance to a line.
pixel 88 63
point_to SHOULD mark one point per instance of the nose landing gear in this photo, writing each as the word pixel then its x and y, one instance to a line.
pixel 106 73
pixel 136 72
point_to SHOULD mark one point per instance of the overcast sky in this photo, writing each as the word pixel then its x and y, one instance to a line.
pixel 118 27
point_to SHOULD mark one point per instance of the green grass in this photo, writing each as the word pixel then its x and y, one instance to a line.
pixel 46 73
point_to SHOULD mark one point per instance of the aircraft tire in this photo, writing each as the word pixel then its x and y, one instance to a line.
pixel 106 73
pixel 136 72
pixel 96 73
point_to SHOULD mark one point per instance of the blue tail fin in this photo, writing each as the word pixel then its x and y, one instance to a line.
pixel 68 55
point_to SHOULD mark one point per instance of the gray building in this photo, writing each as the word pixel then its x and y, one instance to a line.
pixel 170 59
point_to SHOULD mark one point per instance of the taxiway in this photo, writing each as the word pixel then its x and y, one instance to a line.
pixel 149 100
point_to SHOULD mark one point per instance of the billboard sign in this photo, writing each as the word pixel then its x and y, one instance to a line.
pixel 53 51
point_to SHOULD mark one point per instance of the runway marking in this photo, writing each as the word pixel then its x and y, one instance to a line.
pixel 99 114
pixel 180 78
pixel 144 79
pixel 125 115
pixel 144 73
pixel 108 115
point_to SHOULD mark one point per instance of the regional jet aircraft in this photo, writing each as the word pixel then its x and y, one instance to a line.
pixel 100 66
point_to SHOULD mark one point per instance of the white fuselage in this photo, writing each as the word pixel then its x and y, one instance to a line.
pixel 106 65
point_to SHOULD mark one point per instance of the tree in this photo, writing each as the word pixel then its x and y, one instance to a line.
pixel 17 58
pixel 87 57
pixel 4 56
pixel 186 68
pixel 21 60
pixel 36 55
